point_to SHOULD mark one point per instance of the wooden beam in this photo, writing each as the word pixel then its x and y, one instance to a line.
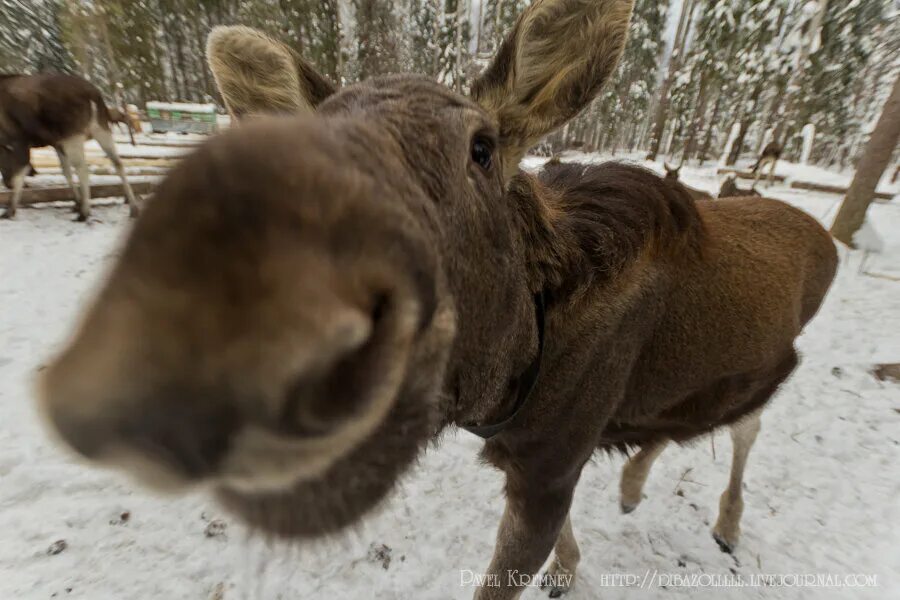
pixel 747 174
pixel 36 195
pixel 799 185
pixel 833 189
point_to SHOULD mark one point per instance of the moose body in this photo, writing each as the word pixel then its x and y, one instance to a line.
pixel 308 300
pixel 768 157
pixel 62 111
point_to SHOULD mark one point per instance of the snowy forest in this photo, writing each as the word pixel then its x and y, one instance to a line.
pixel 698 77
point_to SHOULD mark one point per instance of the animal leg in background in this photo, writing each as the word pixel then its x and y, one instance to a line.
pixel 105 139
pixel 772 172
pixel 18 182
pixel 74 149
pixel 67 172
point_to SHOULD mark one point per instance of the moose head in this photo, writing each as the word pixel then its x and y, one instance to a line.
pixel 309 298
pixel 672 173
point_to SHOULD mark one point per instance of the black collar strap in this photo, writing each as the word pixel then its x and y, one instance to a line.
pixel 526 382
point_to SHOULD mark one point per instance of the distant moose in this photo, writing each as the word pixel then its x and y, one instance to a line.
pixel 730 189
pixel 62 111
pixel 672 174
pixel 769 157
pixel 308 299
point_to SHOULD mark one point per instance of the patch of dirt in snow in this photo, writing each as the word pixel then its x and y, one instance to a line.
pixel 821 484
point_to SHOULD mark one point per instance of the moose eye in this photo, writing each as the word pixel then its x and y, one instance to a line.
pixel 482 153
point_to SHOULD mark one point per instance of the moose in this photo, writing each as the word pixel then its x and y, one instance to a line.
pixel 768 157
pixel 313 296
pixel 671 178
pixel 121 117
pixel 730 189
pixel 62 111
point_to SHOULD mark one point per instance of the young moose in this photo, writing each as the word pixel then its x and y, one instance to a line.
pixel 308 300
pixel 62 111
pixel 672 178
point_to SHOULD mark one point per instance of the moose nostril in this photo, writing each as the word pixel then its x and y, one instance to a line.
pixel 379 307
pixel 87 437
pixel 188 431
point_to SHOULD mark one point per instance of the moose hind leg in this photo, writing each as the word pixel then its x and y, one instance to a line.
pixel 634 474
pixel 18 182
pixel 104 137
pixel 73 148
pixel 67 173
pixel 731 504
pixel 559 576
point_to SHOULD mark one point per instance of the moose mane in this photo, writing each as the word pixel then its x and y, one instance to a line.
pixel 590 222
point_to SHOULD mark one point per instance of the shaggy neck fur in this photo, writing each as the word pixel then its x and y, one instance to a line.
pixel 585 224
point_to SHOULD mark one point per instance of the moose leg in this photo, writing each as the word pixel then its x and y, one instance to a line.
pixel 18 182
pixel 562 570
pixel 67 173
pixel 532 522
pixel 634 475
pixel 104 137
pixel 772 172
pixel 758 171
pixel 731 504
pixel 74 149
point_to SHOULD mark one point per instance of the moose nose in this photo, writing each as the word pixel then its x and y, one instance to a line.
pixel 186 432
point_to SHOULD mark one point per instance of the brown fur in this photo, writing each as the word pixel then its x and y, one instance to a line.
pixel 62 111
pixel 122 117
pixel 257 75
pixel 550 67
pixel 307 301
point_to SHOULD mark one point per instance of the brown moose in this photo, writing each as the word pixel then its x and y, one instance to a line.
pixel 309 299
pixel 730 189
pixel 62 111
pixel 672 174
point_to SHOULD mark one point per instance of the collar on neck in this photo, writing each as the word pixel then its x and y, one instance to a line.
pixel 527 380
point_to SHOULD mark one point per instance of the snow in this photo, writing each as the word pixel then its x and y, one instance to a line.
pixel 821 483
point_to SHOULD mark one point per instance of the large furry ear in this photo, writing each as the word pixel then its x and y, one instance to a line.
pixel 551 65
pixel 257 75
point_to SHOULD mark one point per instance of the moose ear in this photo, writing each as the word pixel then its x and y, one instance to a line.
pixel 551 65
pixel 257 75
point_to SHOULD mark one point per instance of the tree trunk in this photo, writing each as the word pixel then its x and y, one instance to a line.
pixel 662 105
pixel 871 166
pixel 784 127
pixel 710 128
pixel 690 146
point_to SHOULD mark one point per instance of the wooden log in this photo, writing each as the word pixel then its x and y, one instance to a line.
pixel 800 185
pixel 748 174
pixel 833 189
pixel 36 195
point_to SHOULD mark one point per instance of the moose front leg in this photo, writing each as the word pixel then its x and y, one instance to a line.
pixel 534 516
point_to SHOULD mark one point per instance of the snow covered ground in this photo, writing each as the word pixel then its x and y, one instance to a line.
pixel 822 487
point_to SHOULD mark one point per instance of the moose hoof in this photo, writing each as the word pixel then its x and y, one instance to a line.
pixel 8 215
pixel 724 544
pixel 557 580
pixel 628 507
